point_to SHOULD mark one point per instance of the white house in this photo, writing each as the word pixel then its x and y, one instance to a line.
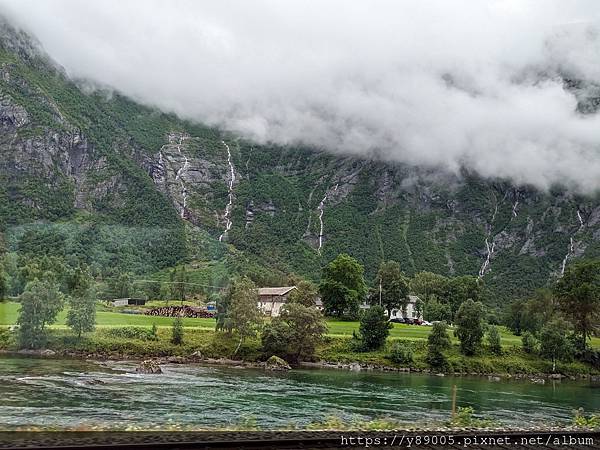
pixel 410 312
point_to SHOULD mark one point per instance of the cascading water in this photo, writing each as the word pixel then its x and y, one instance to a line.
pixel 489 247
pixel 182 170
pixel 321 209
pixel 229 206
pixel 571 249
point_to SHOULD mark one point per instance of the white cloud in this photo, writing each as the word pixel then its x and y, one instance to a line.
pixel 426 82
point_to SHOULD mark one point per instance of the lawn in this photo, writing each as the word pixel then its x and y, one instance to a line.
pixel 9 312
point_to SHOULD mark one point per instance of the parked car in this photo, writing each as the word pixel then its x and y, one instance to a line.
pixel 397 320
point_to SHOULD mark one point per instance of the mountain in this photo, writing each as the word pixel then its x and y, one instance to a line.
pixel 91 175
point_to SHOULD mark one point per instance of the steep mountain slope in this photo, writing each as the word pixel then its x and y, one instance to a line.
pixel 125 187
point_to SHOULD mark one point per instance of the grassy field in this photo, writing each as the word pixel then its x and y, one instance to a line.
pixel 9 313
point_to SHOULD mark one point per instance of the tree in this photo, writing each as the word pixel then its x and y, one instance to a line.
pixel 3 282
pixel 494 340
pixel 304 294
pixel 437 342
pixel 428 284
pixel 40 303
pixel 223 320
pixel 374 328
pixel 295 333
pixel 531 314
pixel 81 317
pixel 554 344
pixel 243 310
pixel 436 311
pixel 342 286
pixel 177 331
pixel 578 295
pixel 463 288
pixel 121 286
pixel 529 342
pixel 391 287
pixel 469 326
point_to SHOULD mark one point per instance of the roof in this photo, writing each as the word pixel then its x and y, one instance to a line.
pixel 413 298
pixel 275 291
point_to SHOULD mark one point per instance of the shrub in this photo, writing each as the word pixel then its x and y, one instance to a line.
pixel 469 326
pixel 374 328
pixel 402 353
pixel 143 334
pixel 493 339
pixel 529 342
pixel 177 331
pixel 438 341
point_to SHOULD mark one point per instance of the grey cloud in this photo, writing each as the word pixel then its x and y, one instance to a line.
pixel 433 83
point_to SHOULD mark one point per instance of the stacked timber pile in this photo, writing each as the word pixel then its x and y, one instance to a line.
pixel 180 311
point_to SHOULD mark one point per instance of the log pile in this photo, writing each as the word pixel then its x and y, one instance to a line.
pixel 180 311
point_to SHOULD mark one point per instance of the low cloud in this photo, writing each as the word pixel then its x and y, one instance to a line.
pixel 434 83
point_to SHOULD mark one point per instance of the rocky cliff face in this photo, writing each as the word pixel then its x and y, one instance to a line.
pixel 64 153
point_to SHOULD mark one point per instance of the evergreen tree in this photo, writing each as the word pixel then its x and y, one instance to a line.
pixel 374 328
pixel 437 342
pixel 177 331
pixel 469 326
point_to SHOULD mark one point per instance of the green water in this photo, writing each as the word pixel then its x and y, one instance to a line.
pixel 68 393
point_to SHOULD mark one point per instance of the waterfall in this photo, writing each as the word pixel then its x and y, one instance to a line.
pixel 229 206
pixel 489 248
pixel 321 209
pixel 179 175
pixel 571 248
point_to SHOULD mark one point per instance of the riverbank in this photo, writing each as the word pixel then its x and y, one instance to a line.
pixel 210 347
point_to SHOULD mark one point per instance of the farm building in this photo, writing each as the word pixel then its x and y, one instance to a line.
pixel 271 299
pixel 128 301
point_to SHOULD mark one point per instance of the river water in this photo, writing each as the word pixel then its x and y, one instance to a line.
pixel 66 394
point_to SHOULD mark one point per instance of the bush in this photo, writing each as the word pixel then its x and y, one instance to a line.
pixel 402 353
pixel 143 334
pixel 438 341
pixel 529 343
pixel 493 339
pixel 374 328
pixel 177 331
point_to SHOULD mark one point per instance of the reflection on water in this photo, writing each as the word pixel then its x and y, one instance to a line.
pixel 61 393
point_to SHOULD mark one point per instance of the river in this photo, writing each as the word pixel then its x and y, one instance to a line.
pixel 64 394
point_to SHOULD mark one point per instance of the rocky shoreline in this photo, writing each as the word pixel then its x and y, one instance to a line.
pixel 276 365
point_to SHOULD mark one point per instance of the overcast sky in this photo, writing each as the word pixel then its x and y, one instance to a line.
pixel 448 83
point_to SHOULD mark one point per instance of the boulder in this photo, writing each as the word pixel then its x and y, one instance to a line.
pixel 148 366
pixel 276 363
pixel 47 352
pixel 176 359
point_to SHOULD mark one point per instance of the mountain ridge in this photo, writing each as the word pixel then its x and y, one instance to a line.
pixel 71 157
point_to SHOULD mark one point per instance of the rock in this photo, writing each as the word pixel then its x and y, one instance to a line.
pixel 196 355
pixel 176 359
pixel 47 352
pixel 555 376
pixel 440 375
pixel 355 367
pixel 276 363
pixel 493 378
pixel 148 366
